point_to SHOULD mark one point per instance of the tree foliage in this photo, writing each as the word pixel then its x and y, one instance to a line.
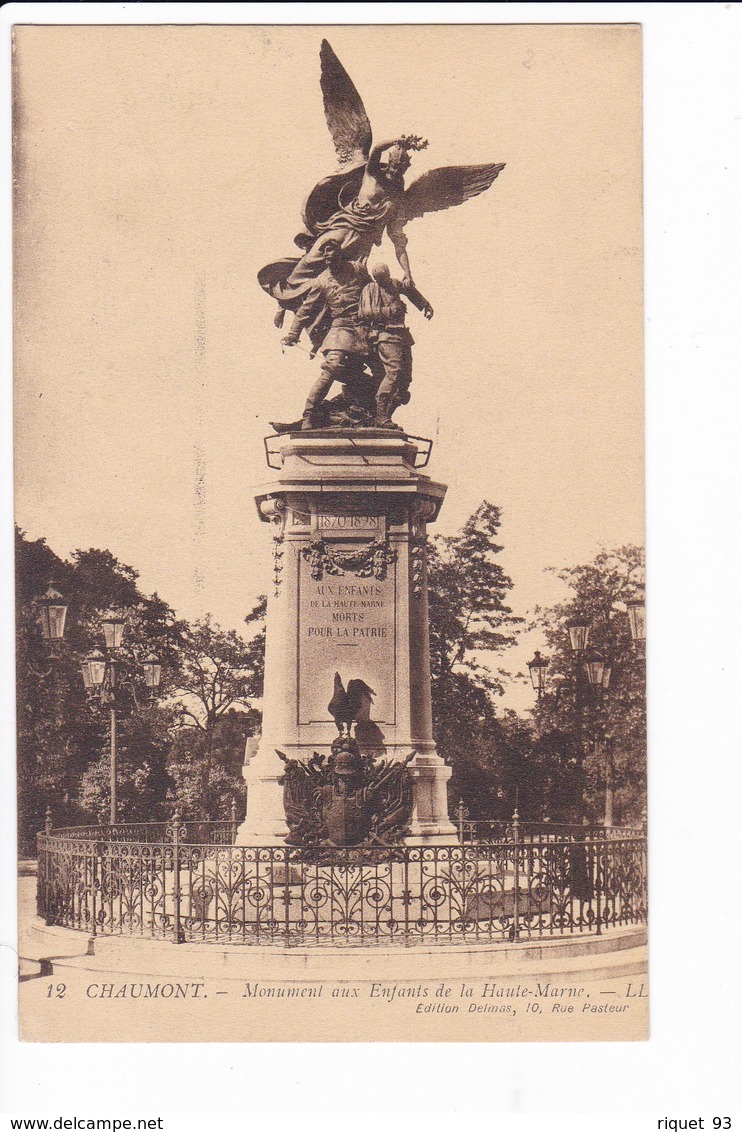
pixel 143 780
pixel 187 746
pixel 202 795
pixel 64 739
pixel 60 738
pixel 219 674
pixel 570 711
pixel 467 590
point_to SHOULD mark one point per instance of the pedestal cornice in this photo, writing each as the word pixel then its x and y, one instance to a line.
pixel 371 461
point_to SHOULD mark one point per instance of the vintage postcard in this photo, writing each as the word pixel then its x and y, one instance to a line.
pixel 328 374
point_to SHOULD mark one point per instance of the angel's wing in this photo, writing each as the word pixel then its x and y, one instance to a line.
pixel 346 116
pixel 444 188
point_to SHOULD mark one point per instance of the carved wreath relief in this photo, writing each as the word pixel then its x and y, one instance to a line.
pixel 369 560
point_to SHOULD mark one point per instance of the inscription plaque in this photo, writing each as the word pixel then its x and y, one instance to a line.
pixel 346 624
pixel 348 525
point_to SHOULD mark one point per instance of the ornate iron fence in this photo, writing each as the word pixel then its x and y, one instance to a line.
pixel 154 832
pixel 493 832
pixel 114 881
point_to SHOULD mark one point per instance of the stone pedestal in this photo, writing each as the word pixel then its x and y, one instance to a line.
pixel 349 595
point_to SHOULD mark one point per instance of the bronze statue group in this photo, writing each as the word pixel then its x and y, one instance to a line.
pixel 354 317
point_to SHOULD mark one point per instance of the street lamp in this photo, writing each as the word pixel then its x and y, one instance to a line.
pixel 152 672
pixel 86 677
pixel 599 675
pixel 637 621
pixel 579 634
pixel 99 678
pixel 537 668
pixel 113 631
pixel 595 667
pixel 94 670
pixel 99 674
pixel 52 614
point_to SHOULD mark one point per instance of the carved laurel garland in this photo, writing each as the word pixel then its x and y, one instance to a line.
pixel 274 509
pixel 423 511
pixel 277 562
pixel 369 560
pixel 417 554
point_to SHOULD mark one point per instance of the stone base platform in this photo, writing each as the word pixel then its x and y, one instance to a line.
pixel 623 954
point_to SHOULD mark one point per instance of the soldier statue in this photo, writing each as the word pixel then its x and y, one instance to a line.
pixel 382 312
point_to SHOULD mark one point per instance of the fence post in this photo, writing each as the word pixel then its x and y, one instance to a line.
pixel 233 811
pixel 94 856
pixel 42 868
pixel 177 930
pixel 462 814
pixel 601 861
pixel 516 875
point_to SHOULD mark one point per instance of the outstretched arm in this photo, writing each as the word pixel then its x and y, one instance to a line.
pixel 374 158
pixel 417 299
pixel 305 317
pixel 399 240
pixel 294 334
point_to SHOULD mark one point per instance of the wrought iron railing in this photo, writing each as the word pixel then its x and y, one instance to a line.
pixel 493 832
pixel 113 881
pixel 194 832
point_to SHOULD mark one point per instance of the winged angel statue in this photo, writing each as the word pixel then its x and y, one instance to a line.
pixel 347 213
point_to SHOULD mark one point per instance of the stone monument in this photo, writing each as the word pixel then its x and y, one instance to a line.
pixel 349 513
pixel 349 507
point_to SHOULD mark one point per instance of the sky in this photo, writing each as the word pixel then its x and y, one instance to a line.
pixel 158 168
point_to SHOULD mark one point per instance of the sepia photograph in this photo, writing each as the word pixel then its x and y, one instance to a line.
pixel 329 501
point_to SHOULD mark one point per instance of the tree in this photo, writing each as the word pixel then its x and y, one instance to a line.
pixel 571 710
pixel 143 782
pixel 467 588
pixel 466 595
pixel 59 738
pixel 553 783
pixel 186 766
pixel 219 675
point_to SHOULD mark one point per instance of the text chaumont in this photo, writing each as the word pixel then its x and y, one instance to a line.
pixel 145 990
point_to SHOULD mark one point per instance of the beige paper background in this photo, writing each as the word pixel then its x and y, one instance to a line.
pixel 158 168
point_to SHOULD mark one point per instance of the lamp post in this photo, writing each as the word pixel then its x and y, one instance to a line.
pixel 152 673
pixel 587 664
pixel 579 635
pixel 599 676
pixel 537 668
pixel 637 621
pixel 52 614
pixel 591 666
pixel 101 679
